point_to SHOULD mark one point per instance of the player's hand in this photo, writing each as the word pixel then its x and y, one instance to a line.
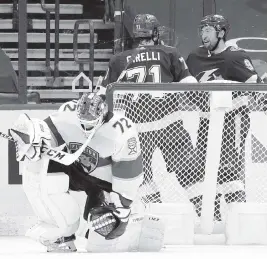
pixel 110 221
pixel 29 136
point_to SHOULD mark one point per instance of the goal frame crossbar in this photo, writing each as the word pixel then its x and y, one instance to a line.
pixel 175 87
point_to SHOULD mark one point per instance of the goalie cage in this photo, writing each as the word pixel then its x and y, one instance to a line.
pixel 199 145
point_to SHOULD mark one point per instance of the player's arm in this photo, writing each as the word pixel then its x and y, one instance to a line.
pixel 241 69
pixel 126 177
pixel 189 62
pixel 127 173
pixel 180 70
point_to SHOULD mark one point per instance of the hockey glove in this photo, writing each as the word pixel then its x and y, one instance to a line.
pixel 110 221
pixel 29 135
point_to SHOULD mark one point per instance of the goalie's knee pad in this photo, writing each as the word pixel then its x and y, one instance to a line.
pixel 57 211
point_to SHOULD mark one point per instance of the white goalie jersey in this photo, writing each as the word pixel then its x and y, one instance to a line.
pixel 113 154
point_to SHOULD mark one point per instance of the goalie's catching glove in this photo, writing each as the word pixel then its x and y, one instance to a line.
pixel 110 221
pixel 29 136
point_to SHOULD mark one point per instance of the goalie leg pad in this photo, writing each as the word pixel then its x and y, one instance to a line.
pixel 179 221
pixel 161 224
pixel 57 211
pixel 143 233
pixel 96 243
pixel 246 224
pixel 151 238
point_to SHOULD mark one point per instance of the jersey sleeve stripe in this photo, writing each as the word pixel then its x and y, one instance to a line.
pixel 127 169
pixel 53 129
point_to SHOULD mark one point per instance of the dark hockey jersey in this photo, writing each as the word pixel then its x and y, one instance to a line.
pixel 231 64
pixel 156 64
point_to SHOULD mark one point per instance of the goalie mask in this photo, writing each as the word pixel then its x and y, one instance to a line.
pixel 91 110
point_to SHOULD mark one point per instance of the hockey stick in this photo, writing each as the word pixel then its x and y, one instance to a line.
pixel 56 154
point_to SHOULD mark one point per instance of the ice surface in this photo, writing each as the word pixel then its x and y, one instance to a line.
pixel 21 247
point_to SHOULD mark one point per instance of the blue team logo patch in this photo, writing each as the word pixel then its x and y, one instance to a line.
pixel 89 158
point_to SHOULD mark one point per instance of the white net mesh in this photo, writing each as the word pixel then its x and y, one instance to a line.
pixel 202 147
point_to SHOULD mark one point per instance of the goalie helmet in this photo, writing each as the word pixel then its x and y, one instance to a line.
pixel 91 110
pixel 218 22
pixel 146 26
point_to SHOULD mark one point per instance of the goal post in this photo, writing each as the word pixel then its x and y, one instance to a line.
pixel 201 143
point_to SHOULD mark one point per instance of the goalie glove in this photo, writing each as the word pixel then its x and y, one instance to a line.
pixel 29 136
pixel 110 221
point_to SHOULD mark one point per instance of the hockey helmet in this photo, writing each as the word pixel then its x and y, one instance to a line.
pixel 145 26
pixel 217 21
pixel 91 110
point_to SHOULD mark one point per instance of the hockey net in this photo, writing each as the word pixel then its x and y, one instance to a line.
pixel 199 145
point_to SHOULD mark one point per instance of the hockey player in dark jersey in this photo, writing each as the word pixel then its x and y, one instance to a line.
pixel 150 61
pixel 214 60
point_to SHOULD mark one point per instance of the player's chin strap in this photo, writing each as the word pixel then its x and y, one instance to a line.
pixel 215 46
pixel 217 43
